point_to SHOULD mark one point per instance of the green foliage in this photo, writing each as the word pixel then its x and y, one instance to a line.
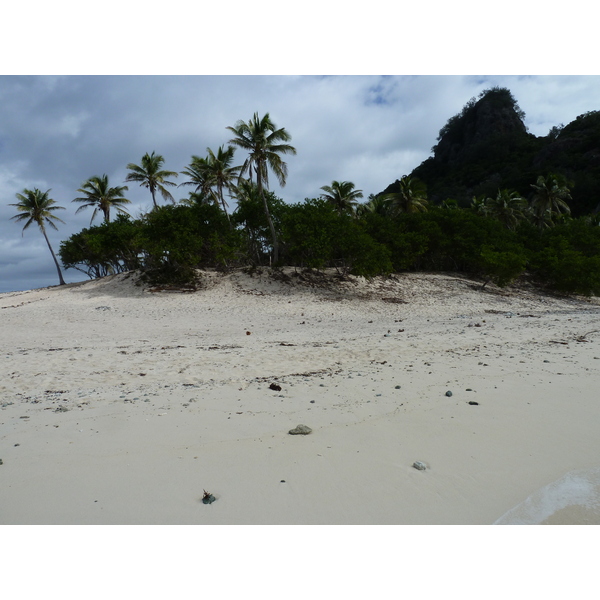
pixel 501 267
pixel 550 195
pixel 213 174
pixel 37 207
pixel 104 250
pixel 251 218
pixel 177 240
pixel 376 204
pixel 569 271
pixel 167 245
pixel 506 206
pixel 171 242
pixel 98 195
pixel 407 195
pixel 315 235
pixel 342 196
pixel 567 257
pixel 150 175
pixel 449 240
pixel 405 238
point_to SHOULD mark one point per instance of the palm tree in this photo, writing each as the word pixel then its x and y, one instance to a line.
pixel 250 214
pixel 379 205
pixel 549 198
pixel 539 220
pixel 262 140
pixel 411 196
pixel 508 207
pixel 478 205
pixel 342 196
pixel 197 172
pixel 214 171
pixel 149 175
pixel 37 207
pixel 196 198
pixel 98 194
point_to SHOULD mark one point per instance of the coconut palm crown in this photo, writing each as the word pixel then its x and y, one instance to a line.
pixel 379 205
pixel 264 143
pixel 35 206
pixel 410 197
pixel 214 171
pixel 549 198
pixel 150 175
pixel 508 207
pixel 342 196
pixel 197 173
pixel 98 194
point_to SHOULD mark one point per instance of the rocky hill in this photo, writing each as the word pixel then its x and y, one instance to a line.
pixel 487 146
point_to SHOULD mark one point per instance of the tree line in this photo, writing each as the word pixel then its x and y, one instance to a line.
pixel 496 238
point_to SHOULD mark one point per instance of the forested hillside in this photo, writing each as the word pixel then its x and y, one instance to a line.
pixel 486 147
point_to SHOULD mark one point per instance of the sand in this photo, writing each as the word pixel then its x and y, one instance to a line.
pixel 122 404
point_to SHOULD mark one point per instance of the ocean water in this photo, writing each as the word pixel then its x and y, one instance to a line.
pixel 571 500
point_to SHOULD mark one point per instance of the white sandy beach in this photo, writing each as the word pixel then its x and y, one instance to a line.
pixel 121 405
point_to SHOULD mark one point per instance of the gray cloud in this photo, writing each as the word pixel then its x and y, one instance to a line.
pixel 55 132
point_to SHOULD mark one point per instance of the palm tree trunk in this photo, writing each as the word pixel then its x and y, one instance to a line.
pixel 60 277
pixel 153 197
pixel 220 189
pixel 269 220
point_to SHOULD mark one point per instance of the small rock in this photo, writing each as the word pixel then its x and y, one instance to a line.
pixel 275 387
pixel 449 393
pixel 397 387
pixel 473 403
pixel 420 466
pixel 300 430
pixel 61 409
pixel 208 498
pixel 248 333
pixel 282 481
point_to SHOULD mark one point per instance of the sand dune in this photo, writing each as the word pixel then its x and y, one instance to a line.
pixel 121 404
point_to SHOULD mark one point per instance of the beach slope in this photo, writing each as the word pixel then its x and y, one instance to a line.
pixel 123 404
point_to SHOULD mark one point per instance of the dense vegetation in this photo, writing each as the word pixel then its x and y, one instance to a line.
pixel 487 147
pixel 169 243
pixel 493 202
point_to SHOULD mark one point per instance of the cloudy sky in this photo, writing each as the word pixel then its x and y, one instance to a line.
pixel 56 131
